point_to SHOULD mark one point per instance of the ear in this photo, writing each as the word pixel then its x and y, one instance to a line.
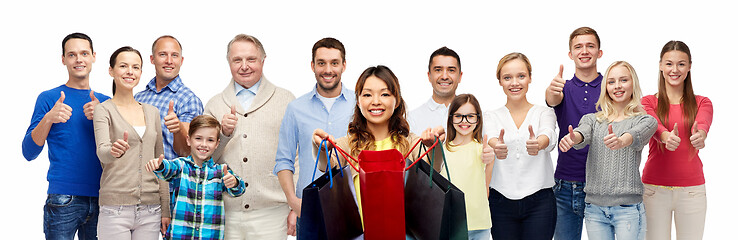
pixel 187 139
pixel 110 71
pixel 94 57
pixel 344 66
pixel 151 57
pixel 217 143
pixel 600 56
pixel 572 57
pixel 312 65
pixel 459 80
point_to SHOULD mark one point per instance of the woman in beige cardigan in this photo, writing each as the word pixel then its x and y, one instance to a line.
pixel 134 204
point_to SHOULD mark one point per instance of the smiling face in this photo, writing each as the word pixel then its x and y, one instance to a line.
pixel 127 70
pixel 514 79
pixel 675 66
pixel 462 124
pixel 444 75
pixel 376 101
pixel 167 59
pixel 78 57
pixel 585 51
pixel 203 143
pixel 620 85
pixel 328 67
pixel 246 63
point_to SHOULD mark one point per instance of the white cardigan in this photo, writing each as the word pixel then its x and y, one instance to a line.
pixel 520 174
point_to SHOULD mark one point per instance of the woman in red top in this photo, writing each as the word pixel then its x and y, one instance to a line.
pixel 673 177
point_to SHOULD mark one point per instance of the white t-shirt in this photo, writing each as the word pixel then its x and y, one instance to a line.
pixel 520 175
pixel 428 115
pixel 140 130
pixel 327 102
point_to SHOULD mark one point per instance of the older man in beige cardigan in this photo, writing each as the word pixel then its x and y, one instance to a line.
pixel 251 110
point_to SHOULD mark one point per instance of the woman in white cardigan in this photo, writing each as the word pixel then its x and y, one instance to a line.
pixel 521 198
pixel 134 203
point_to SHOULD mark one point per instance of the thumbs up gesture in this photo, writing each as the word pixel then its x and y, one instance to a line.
pixel 120 146
pixel 532 143
pixel 171 120
pixel 90 106
pixel 672 139
pixel 612 141
pixel 60 112
pixel 154 164
pixel 229 121
pixel 568 141
pixel 500 148
pixel 487 151
pixel 557 84
pixel 229 180
pixel 698 137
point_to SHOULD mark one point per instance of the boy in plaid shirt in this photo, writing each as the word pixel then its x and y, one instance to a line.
pixel 198 211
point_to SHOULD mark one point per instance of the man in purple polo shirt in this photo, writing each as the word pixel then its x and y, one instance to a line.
pixel 571 100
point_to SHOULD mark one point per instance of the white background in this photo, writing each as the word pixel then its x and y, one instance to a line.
pixel 393 33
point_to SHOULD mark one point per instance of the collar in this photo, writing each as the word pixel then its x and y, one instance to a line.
pixel 209 163
pixel 594 83
pixel 173 86
pixel 344 92
pixel 433 105
pixel 253 89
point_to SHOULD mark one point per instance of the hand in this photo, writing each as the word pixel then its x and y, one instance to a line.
pixel 429 135
pixel 165 221
pixel 120 146
pixel 171 120
pixel 672 139
pixel 90 106
pixel 229 122
pixel 155 163
pixel 319 135
pixel 296 206
pixel 60 112
pixel 698 137
pixel 229 180
pixel 500 148
pixel 612 141
pixel 567 142
pixel 557 84
pixel 532 143
pixel 292 223
pixel 488 155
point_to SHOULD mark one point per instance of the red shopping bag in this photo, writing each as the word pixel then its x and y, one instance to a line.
pixel 381 174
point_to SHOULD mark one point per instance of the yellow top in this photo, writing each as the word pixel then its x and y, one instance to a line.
pixel 467 173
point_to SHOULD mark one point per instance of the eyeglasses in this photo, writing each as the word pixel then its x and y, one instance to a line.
pixel 470 118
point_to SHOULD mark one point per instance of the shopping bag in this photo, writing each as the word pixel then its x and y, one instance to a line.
pixel 329 210
pixel 381 176
pixel 434 208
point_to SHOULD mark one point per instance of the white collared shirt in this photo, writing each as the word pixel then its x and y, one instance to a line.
pixel 520 175
pixel 246 95
pixel 428 115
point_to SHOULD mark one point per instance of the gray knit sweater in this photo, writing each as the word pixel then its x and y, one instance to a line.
pixel 613 176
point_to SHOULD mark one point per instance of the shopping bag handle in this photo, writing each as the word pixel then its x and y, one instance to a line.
pixel 324 145
pixel 344 154
pixel 432 160
pixel 420 156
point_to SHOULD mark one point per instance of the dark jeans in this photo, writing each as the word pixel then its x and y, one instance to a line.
pixel 530 218
pixel 65 215
pixel 570 209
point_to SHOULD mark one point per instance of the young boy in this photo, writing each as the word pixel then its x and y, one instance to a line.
pixel 198 211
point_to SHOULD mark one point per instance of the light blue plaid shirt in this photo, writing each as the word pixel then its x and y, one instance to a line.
pixel 186 105
pixel 301 118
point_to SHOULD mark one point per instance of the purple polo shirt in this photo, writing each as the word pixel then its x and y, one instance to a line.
pixel 579 99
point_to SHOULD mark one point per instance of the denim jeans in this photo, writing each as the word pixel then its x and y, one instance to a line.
pixel 530 218
pixel 65 215
pixel 569 209
pixel 624 221
pixel 483 234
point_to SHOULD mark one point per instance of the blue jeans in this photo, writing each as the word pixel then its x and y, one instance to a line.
pixel 530 218
pixel 483 234
pixel 65 215
pixel 569 209
pixel 624 221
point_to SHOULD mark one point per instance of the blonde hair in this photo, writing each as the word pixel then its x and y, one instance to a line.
pixel 509 58
pixel 605 103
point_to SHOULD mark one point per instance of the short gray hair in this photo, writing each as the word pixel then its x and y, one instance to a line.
pixel 247 38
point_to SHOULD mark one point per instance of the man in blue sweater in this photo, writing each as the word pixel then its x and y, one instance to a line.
pixel 62 118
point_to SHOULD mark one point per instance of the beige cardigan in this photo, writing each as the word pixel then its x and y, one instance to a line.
pixel 125 180
pixel 252 148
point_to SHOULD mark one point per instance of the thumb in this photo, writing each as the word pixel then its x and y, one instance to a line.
pixel 609 129
pixel 225 169
pixel 675 131
pixel 532 134
pixel 61 98
pixel 171 107
pixel 125 136
pixel 486 141
pixel 161 159
pixel 561 71
pixel 233 109
pixel 502 133
pixel 694 127
pixel 92 96
pixel 571 131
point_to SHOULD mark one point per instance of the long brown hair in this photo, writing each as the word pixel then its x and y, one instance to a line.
pixel 359 136
pixel 455 105
pixel 689 101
